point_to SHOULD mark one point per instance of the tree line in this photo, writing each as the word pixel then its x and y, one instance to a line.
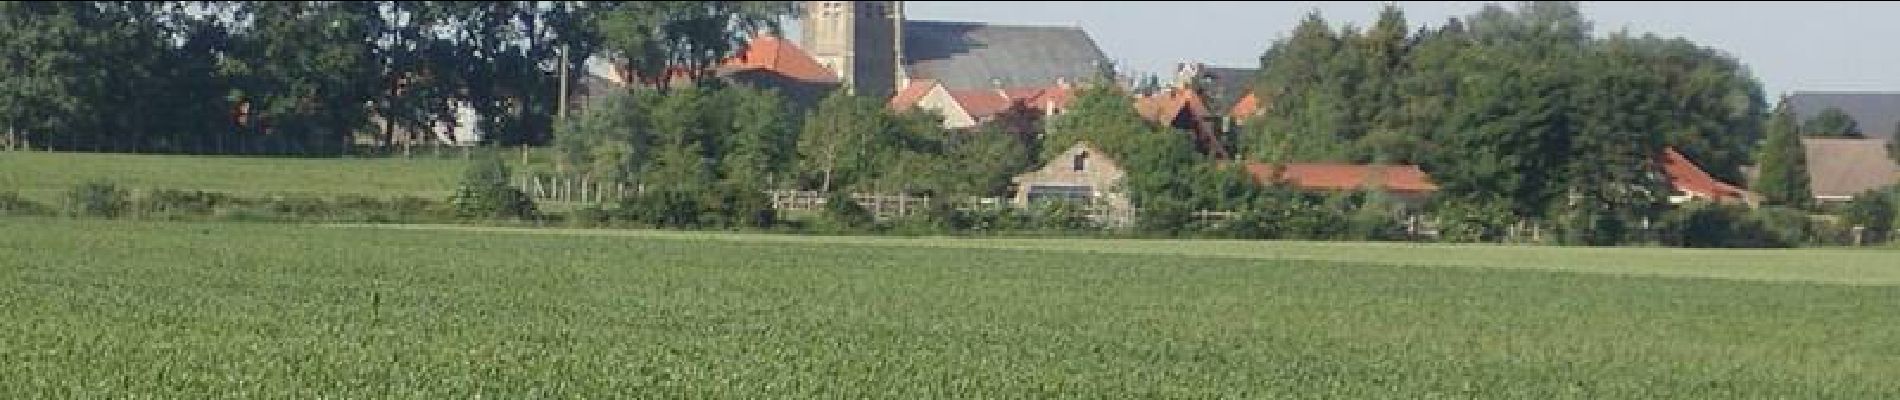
pixel 307 77
pixel 1517 113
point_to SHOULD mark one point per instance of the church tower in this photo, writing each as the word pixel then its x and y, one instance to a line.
pixel 861 41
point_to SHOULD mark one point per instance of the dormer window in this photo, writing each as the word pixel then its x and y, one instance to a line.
pixel 1081 161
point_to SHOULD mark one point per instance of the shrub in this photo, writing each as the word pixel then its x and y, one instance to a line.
pixel 1059 216
pixel 843 212
pixel 1701 224
pixel 1872 210
pixel 1471 221
pixel 12 204
pixel 180 203
pixel 485 193
pixel 97 199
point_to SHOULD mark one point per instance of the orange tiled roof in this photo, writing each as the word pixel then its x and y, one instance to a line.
pixel 1684 175
pixel 1163 108
pixel 980 103
pixel 913 92
pixel 779 55
pixel 1320 176
pixel 1246 107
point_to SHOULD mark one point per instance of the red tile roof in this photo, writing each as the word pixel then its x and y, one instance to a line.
pixel 1166 107
pixel 1246 107
pixel 1318 176
pixel 1685 176
pixel 1162 108
pixel 779 55
pixel 913 92
pixel 980 103
pixel 1056 97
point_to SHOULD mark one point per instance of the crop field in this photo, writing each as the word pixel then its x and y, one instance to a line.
pixel 110 309
pixel 44 176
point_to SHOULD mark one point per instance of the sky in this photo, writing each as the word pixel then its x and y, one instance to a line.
pixel 1788 46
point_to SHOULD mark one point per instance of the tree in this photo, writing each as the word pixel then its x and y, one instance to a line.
pixel 983 162
pixel 1831 122
pixel 762 143
pixel 1893 145
pixel 842 141
pixel 485 193
pixel 1784 166
pixel 1872 210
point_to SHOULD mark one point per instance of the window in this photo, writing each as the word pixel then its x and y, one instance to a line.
pixel 1081 161
pixel 1072 193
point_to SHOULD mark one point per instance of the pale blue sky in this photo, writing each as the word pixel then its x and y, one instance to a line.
pixel 1788 46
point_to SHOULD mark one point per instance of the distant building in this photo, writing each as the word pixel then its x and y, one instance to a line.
pixel 1185 111
pixel 1015 110
pixel 1876 113
pixel 874 50
pixel 1081 174
pixel 1838 169
pixel 1689 182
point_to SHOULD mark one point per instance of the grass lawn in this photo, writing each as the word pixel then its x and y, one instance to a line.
pixel 46 176
pixel 195 310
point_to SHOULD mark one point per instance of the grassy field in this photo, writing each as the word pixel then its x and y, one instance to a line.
pixel 45 176
pixel 197 310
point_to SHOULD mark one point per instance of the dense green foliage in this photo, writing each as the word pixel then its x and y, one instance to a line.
pixel 485 191
pixel 1520 111
pixel 314 77
pixel 1831 122
pixel 116 309
pixel 1784 162
pixel 1874 211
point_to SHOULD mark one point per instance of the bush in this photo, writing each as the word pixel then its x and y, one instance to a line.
pixel 97 199
pixel 1164 217
pixel 1874 211
pixel 1059 216
pixel 12 204
pixel 1701 224
pixel 1471 221
pixel 168 203
pixel 485 193
pixel 844 213
pixel 737 206
pixel 661 208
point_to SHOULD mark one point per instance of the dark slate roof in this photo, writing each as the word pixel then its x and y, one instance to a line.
pixel 1875 112
pixel 1229 85
pixel 968 55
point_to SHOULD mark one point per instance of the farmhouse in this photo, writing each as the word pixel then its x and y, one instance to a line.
pixel 1838 169
pixel 1016 110
pixel 1082 174
pixel 1689 182
pixel 1184 110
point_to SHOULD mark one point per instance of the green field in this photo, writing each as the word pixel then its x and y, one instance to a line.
pixel 45 176
pixel 107 309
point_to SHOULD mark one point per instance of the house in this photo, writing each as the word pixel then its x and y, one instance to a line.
pixel 1082 174
pixel 874 50
pixel 1221 87
pixel 766 62
pixel 775 63
pixel 1244 109
pixel 1406 183
pixel 1183 109
pixel 1838 169
pixel 1015 110
pixel 1877 113
pixel 1689 182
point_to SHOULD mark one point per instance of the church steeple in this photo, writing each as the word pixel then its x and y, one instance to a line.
pixel 861 41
